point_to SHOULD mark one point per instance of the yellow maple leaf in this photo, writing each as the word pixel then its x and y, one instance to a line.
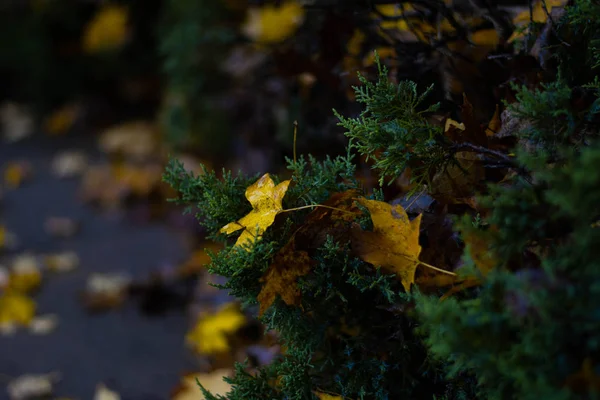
pixel 266 199
pixel 394 242
pixel 209 334
pixel 16 309
pixel 107 30
pixel 273 24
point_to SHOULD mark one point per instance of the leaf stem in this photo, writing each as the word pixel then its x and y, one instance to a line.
pixel 315 205
pixel 437 269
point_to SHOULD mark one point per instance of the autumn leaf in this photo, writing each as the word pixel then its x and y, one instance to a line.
pixel 293 260
pixel 495 123
pixel 106 31
pixel 394 242
pixel 479 249
pixel 271 24
pixel 266 199
pixel 209 334
pixel 327 396
pixel 61 120
pixel 280 279
pixel 16 310
pixel 538 15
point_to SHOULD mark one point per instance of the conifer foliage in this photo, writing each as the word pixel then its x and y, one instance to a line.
pixel 489 291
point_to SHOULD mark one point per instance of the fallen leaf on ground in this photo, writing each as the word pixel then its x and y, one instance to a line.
pixel 61 120
pixel 273 24
pixel 32 386
pixel 69 164
pixel 61 227
pixel 136 139
pixel 16 310
pixel 209 334
pixel 16 173
pixel 188 389
pixel 105 291
pixel 394 242
pixel 539 15
pixel 266 199
pixel 62 262
pixel 104 393
pixel 107 30
pixel 16 122
pixel 43 324
pixel 25 274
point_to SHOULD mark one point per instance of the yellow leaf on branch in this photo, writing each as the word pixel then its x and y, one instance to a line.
pixel 271 24
pixel 394 242
pixel 266 200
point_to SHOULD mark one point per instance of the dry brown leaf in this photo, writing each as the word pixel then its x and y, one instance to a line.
pixel 455 183
pixel 266 200
pixel 394 242
pixel 280 279
pixel 293 260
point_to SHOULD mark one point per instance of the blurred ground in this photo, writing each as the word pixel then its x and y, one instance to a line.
pixel 141 357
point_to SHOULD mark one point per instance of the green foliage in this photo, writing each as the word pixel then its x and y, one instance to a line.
pixel 393 130
pixel 528 331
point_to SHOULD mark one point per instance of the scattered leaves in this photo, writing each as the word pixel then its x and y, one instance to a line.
pixel 136 139
pixel 266 200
